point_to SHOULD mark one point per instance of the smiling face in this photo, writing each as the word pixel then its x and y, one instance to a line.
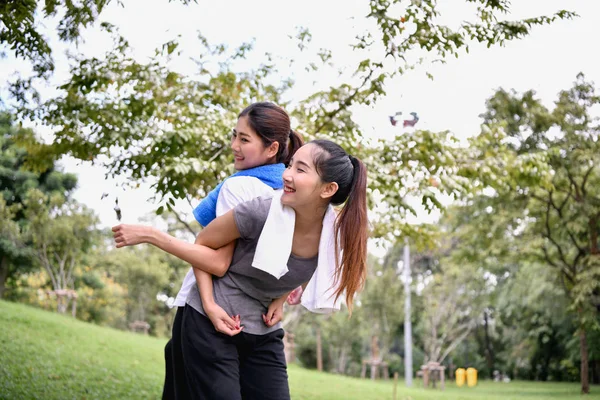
pixel 248 148
pixel 302 184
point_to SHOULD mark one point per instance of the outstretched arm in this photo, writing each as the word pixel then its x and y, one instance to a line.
pixel 216 235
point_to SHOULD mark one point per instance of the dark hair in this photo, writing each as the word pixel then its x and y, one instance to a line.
pixel 333 164
pixel 272 124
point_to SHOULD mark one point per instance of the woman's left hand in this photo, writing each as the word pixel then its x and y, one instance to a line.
pixel 295 297
pixel 130 235
pixel 274 313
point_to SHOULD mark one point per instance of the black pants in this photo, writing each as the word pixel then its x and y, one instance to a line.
pixel 175 387
pixel 244 366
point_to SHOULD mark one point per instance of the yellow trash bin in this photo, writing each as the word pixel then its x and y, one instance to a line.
pixel 460 376
pixel 471 377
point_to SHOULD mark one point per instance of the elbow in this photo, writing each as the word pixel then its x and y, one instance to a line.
pixel 220 273
pixel 222 261
pixel 221 269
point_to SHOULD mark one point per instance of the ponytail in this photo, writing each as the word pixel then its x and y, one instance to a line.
pixel 272 124
pixel 351 233
pixel 294 143
pixel 333 164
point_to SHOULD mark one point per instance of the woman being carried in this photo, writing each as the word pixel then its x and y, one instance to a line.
pixel 262 143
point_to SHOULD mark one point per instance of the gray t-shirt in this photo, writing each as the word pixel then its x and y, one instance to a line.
pixel 248 291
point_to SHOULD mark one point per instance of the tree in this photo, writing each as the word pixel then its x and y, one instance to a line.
pixel 482 245
pixel 535 325
pixel 11 242
pixel 16 254
pixel 382 304
pixel 61 232
pixel 515 330
pixel 144 272
pixel 147 121
pixel 552 200
pixel 21 21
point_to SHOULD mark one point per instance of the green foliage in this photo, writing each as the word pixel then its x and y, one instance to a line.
pixel 16 250
pixel 558 218
pixel 146 121
pixel 101 299
pixel 451 305
pixel 417 26
pixel 144 273
pixel 61 233
pixel 531 222
pixel 534 324
pixel 381 307
pixel 114 288
pixel 21 21
pixel 306 348
pixel 151 122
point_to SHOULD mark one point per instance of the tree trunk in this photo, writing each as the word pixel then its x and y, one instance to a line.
pixel 61 304
pixel 3 274
pixel 593 224
pixel 585 375
pixel 489 352
pixel 341 368
pixel 319 351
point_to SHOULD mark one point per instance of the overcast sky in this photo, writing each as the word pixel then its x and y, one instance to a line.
pixel 546 61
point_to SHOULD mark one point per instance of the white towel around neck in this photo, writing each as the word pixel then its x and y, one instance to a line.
pixel 275 246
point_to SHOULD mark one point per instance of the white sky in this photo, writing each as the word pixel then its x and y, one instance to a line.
pixel 547 61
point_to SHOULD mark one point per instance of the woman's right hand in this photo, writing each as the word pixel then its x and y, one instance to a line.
pixel 130 235
pixel 222 322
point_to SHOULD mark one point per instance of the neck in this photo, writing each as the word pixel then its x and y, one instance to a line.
pixel 310 218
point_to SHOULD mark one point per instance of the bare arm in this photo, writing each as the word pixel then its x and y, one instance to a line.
pixel 224 323
pixel 219 233
pixel 205 287
pixel 204 279
pixel 275 311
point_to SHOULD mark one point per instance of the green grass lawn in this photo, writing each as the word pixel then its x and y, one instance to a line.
pixel 47 356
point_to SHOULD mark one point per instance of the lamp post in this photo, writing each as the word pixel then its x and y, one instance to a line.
pixel 408 368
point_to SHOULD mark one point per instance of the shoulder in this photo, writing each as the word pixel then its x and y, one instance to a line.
pixel 240 189
pixel 245 184
pixel 259 206
pixel 251 216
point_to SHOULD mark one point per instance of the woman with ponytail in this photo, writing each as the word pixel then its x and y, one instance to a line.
pixel 292 238
pixel 351 230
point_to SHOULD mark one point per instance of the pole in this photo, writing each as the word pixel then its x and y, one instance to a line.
pixel 319 351
pixel 408 367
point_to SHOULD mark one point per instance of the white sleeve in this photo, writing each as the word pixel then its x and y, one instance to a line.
pixel 240 189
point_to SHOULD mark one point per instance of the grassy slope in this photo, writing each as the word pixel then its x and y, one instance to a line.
pixel 47 356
